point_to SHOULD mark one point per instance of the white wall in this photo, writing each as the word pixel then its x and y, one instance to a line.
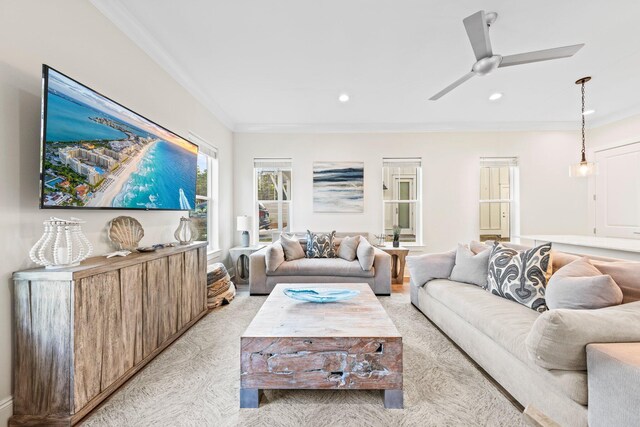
pixel 551 202
pixel 72 36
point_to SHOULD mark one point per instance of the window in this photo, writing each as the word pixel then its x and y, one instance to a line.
pixel 498 197
pixel 205 213
pixel 272 190
pixel 401 198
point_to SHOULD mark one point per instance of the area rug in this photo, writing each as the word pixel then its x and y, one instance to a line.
pixel 195 382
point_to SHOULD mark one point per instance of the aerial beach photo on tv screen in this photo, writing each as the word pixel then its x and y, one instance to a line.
pixel 98 154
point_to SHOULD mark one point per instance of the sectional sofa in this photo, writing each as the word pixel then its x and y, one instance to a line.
pixel 539 358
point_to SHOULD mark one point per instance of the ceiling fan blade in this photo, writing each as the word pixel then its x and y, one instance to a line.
pixel 478 32
pixel 540 55
pixel 452 86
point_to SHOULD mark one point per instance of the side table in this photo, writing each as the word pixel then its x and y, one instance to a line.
pixel 240 261
pixel 398 258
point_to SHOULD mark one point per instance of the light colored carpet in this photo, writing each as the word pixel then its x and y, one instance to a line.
pixel 195 382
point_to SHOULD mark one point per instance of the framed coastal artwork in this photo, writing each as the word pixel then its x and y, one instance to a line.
pixel 338 187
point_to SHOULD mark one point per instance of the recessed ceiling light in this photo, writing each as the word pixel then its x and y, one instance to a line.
pixel 588 112
pixel 495 96
pixel 343 97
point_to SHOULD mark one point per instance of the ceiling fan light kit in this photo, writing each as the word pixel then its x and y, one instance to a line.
pixel 477 26
pixel 583 168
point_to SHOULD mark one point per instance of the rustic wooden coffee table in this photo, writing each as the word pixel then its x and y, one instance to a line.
pixel 301 345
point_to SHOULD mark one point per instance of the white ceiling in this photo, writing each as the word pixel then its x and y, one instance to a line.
pixel 281 64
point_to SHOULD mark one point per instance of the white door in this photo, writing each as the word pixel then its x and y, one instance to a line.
pixel 618 192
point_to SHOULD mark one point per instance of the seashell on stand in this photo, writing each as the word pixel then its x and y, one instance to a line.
pixel 125 232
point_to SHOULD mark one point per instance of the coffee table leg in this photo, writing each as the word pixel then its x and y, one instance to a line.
pixel 250 397
pixel 393 399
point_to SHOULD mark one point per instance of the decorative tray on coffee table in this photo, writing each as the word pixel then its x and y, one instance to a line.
pixel 320 295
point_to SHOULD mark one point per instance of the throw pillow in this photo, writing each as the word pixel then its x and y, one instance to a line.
pixel 366 254
pixel 320 245
pixel 274 256
pixel 626 274
pixel 477 247
pixel 579 285
pixel 520 276
pixel 348 247
pixel 425 268
pixel 469 267
pixel 292 247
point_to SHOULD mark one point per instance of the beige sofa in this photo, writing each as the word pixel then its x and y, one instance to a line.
pixel 540 359
pixel 319 270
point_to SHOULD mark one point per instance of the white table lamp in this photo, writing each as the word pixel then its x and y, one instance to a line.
pixel 243 223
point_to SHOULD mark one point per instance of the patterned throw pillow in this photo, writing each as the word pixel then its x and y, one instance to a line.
pixel 520 276
pixel 320 245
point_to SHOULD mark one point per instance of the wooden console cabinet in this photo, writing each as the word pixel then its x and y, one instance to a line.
pixel 81 332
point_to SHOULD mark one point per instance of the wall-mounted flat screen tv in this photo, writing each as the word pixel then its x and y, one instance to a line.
pixel 97 154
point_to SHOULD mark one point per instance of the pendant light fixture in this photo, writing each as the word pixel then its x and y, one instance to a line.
pixel 584 168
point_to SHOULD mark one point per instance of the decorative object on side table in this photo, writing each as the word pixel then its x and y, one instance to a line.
pixel 396 236
pixel 381 238
pixel 62 245
pixel 240 261
pixel 125 232
pixel 243 223
pixel 398 258
pixel 320 295
pixel 220 288
pixel 186 231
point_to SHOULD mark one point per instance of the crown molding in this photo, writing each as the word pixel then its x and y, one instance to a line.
pixel 405 127
pixel 117 13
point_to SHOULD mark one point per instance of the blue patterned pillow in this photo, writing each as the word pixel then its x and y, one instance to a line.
pixel 320 245
pixel 520 276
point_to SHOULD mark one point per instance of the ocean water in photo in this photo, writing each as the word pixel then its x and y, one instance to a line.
pixel 69 120
pixel 163 171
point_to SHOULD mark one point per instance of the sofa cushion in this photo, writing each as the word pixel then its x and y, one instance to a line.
pixel 273 256
pixel 471 267
pixel 558 338
pixel 292 247
pixel 366 254
pixel 505 322
pixel 322 267
pixel 520 276
pixel 321 245
pixel 424 268
pixel 348 247
pixel 579 285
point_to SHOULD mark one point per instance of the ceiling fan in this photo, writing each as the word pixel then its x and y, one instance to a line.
pixel 477 26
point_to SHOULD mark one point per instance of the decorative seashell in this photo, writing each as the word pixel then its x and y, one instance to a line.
pixel 125 232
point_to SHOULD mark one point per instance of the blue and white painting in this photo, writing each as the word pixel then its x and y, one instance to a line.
pixel 338 187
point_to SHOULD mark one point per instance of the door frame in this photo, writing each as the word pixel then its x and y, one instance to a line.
pixel 413 190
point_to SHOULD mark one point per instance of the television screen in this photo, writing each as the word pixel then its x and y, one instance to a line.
pixel 98 154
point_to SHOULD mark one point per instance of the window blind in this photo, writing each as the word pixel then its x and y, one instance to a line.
pixel 487 162
pixel 402 162
pixel 272 163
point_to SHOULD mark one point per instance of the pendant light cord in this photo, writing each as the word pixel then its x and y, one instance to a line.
pixel 584 157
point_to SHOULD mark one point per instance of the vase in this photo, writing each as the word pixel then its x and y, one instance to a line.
pixel 396 243
pixel 186 232
pixel 62 245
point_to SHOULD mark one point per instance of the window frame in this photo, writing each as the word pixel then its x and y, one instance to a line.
pixel 416 203
pixel 212 198
pixel 278 165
